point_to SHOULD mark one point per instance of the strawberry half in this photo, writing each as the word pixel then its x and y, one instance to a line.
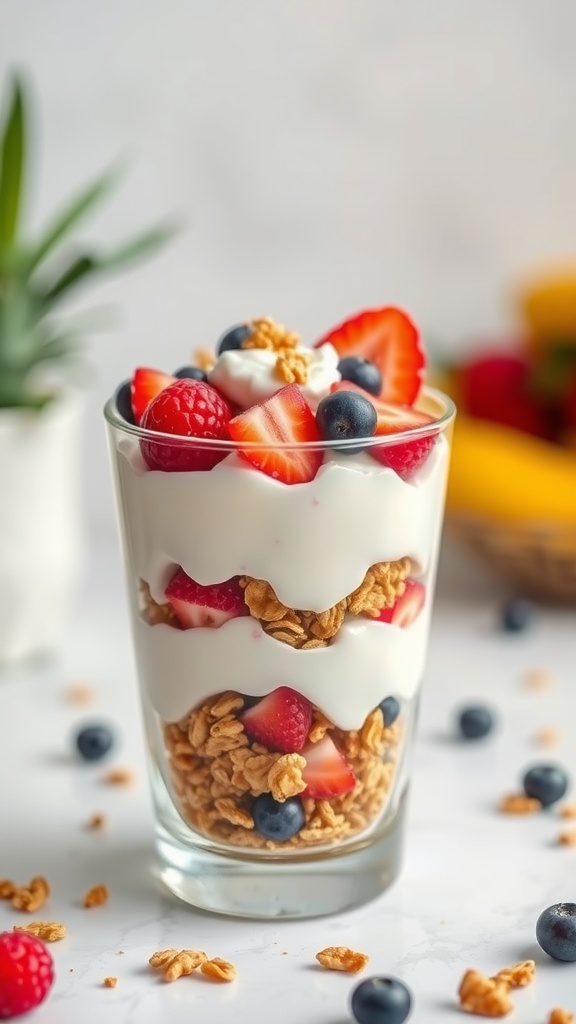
pixel 327 773
pixel 284 419
pixel 407 457
pixel 388 338
pixel 146 384
pixel 281 720
pixel 407 607
pixel 211 606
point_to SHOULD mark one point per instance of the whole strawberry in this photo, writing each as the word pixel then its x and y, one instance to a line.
pixel 26 973
pixel 190 409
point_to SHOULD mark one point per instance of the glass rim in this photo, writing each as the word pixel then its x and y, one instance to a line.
pixel 439 425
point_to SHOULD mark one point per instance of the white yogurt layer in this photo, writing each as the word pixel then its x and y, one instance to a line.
pixel 367 662
pixel 247 376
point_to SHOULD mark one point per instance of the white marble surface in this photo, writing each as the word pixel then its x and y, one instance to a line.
pixel 473 884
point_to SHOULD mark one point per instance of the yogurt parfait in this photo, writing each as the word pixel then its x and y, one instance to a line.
pixel 280 507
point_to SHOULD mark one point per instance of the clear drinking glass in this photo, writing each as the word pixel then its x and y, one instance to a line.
pixel 292 804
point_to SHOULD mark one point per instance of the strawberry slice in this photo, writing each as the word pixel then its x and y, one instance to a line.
pixel 284 419
pixel 281 720
pixel 211 606
pixel 388 338
pixel 146 384
pixel 407 607
pixel 326 774
pixel 407 457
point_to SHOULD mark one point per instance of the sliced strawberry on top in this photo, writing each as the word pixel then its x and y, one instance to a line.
pixel 146 384
pixel 327 773
pixel 281 720
pixel 406 457
pixel 407 607
pixel 388 338
pixel 284 419
pixel 210 606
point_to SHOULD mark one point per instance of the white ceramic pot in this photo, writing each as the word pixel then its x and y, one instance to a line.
pixel 41 540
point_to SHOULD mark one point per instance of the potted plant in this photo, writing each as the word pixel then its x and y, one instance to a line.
pixel 40 409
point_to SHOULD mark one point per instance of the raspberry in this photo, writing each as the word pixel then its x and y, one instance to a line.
pixel 189 409
pixel 26 973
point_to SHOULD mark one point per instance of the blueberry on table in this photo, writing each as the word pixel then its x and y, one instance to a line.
pixel 233 338
pixel 390 709
pixel 517 615
pixel 546 783
pixel 381 1001
pixel 556 931
pixel 475 722
pixel 361 372
pixel 124 401
pixel 190 373
pixel 345 415
pixel 275 820
pixel 94 742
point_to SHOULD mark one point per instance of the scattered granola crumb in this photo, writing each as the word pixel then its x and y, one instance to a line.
pixel 567 838
pixel 96 896
pixel 31 897
pixel 517 976
pixel 519 803
pixel 566 811
pixel 120 952
pixel 218 970
pixel 538 679
pixel 483 996
pixel 48 931
pixel 203 358
pixel 547 737
pixel 96 823
pixel 174 963
pixel 7 889
pixel 558 1016
pixel 340 958
pixel 80 694
pixel 110 981
pixel 118 777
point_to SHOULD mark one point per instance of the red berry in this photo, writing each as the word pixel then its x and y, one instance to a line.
pixel 146 384
pixel 327 773
pixel 407 607
pixel 284 419
pixel 281 720
pixel 210 606
pixel 388 338
pixel 495 386
pixel 189 409
pixel 26 973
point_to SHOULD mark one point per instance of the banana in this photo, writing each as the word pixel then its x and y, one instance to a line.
pixel 548 306
pixel 502 474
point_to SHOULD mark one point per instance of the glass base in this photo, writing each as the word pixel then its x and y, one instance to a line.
pixel 242 885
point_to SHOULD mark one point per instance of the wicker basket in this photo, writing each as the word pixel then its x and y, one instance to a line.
pixel 540 560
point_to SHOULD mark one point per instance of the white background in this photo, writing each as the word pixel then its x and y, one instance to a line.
pixel 322 155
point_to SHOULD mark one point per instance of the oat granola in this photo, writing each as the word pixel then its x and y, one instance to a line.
pixel 110 982
pixel 517 976
pixel 559 1016
pixel 47 931
pixel 486 997
pixel 341 958
pixel 218 970
pixel 31 897
pixel 97 896
pixel 519 803
pixel 174 963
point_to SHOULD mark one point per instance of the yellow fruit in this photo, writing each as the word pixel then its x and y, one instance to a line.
pixel 505 475
pixel 548 305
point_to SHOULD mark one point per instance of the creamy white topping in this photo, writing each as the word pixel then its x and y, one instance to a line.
pixel 247 376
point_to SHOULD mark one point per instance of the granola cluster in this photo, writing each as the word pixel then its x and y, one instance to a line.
pixel 490 997
pixel 216 772
pixel 291 363
pixel 177 963
pixel 382 585
pixel 26 897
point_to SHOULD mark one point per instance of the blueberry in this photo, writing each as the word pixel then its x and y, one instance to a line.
pixel 275 820
pixel 475 722
pixel 233 338
pixel 361 372
pixel 381 1001
pixel 124 401
pixel 517 615
pixel 94 741
pixel 556 931
pixel 546 782
pixel 190 373
pixel 390 709
pixel 344 415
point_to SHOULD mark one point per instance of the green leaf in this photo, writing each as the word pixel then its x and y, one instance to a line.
pixel 70 216
pixel 74 273
pixel 12 156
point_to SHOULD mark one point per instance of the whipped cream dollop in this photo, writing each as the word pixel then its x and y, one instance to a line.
pixel 247 376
